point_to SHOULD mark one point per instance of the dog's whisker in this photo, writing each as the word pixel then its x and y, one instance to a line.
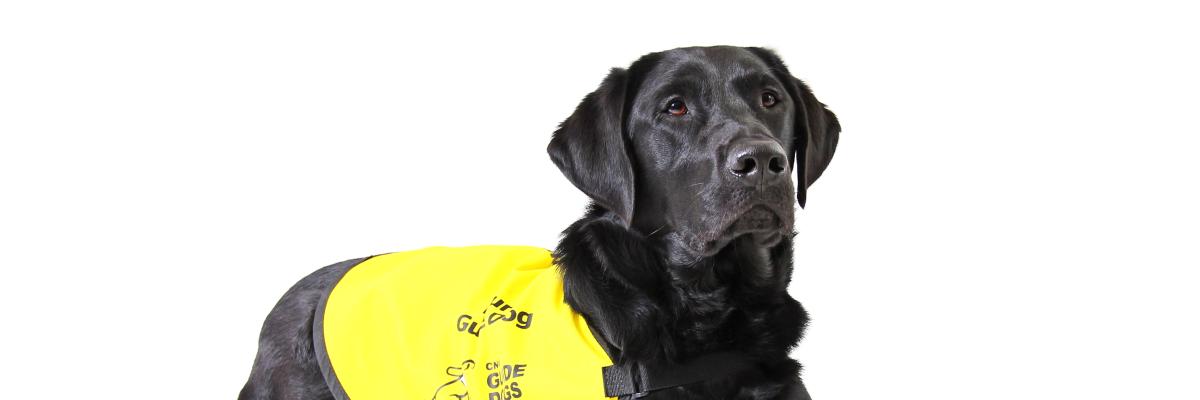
pixel 656 230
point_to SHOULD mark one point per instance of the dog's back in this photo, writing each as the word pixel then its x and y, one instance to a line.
pixel 395 325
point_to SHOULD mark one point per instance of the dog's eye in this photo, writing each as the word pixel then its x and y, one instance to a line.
pixel 676 107
pixel 769 99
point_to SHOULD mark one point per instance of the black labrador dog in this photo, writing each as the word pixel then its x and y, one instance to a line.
pixel 681 263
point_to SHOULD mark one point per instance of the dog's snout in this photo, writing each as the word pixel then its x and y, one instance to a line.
pixel 759 161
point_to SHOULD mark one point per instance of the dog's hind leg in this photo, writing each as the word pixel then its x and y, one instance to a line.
pixel 287 365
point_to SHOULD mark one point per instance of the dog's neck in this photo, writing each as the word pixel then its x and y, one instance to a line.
pixel 652 311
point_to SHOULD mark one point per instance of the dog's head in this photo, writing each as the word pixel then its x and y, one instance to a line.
pixel 699 146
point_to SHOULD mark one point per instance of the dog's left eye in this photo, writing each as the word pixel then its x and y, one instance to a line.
pixel 676 107
pixel 769 99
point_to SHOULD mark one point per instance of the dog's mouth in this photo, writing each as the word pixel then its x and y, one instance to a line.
pixel 764 225
pixel 757 218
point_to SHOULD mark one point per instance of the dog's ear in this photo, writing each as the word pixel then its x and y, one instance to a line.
pixel 817 128
pixel 822 128
pixel 589 147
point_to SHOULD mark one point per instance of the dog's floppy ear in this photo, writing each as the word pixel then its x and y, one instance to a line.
pixel 817 128
pixel 589 147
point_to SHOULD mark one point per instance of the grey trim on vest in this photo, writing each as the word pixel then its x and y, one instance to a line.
pixel 331 379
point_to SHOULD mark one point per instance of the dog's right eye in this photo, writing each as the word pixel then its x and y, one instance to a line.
pixel 676 107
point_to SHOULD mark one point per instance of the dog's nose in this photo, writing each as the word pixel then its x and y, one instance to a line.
pixel 758 161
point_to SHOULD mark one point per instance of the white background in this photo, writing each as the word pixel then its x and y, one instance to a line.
pixel 1011 212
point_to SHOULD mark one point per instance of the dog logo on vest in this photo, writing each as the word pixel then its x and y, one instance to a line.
pixel 497 311
pixel 452 389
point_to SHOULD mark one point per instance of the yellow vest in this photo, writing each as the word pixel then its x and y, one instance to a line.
pixel 479 323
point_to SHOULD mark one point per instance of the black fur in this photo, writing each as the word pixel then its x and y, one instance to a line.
pixel 287 366
pixel 676 256
pixel 653 312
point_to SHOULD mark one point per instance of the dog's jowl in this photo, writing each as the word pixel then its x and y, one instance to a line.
pixel 672 285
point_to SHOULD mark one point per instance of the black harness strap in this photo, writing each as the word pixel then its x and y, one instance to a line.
pixel 636 380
